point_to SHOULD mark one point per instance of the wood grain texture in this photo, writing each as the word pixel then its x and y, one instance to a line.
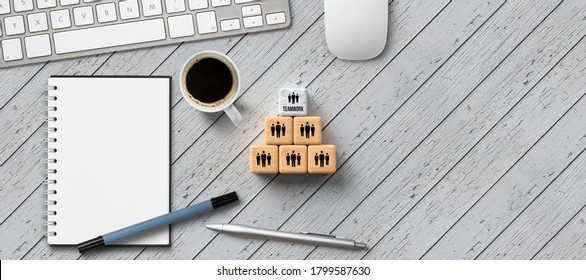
pixel 532 174
pixel 471 177
pixel 474 112
pixel 200 122
pixel 289 195
pixel 407 129
pixel 248 185
pixel 569 243
pixel 539 222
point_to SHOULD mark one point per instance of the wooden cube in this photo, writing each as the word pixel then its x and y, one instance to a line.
pixel 278 130
pixel 321 159
pixel 307 130
pixel 264 159
pixel 293 102
pixel 293 159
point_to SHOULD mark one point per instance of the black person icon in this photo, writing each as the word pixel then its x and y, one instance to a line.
pixel 316 158
pixel 278 128
pixel 273 130
pixel 306 129
pixel 327 159
pixel 301 129
pixel 257 159
pixel 296 98
pixel 293 158
pixel 264 159
pixel 289 98
pixel 298 159
pixel 312 130
pixel 269 159
pixel 321 159
pixel 283 128
pixel 288 157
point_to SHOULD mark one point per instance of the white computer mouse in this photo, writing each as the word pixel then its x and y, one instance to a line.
pixel 356 29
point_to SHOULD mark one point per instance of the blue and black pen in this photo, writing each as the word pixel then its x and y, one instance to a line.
pixel 163 220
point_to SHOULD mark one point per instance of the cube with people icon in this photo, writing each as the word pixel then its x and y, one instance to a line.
pixel 307 130
pixel 293 102
pixel 322 159
pixel 278 130
pixel 264 159
pixel 293 159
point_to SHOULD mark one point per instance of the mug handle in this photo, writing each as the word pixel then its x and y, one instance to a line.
pixel 234 115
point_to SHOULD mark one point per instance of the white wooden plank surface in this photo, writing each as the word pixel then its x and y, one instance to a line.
pixel 539 222
pixel 471 177
pixel 532 174
pixel 569 243
pixel 448 66
pixel 258 52
pixel 406 129
pixel 342 76
pixel 382 96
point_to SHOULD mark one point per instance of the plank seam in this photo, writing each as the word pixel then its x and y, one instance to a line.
pixel 529 91
pixel 22 144
pixel 558 232
pixel 20 88
pixel 244 92
pixel 22 202
pixel 449 114
pixel 536 197
pixel 268 183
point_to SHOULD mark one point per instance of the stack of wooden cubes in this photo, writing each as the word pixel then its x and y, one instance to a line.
pixel 293 145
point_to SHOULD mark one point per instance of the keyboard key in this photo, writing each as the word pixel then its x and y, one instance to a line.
pixel 128 9
pixel 198 4
pixel 151 7
pixel 106 12
pixel 230 24
pixel 68 2
pixel 4 7
pixel 250 22
pixel 181 26
pixel 206 22
pixel 252 10
pixel 37 22
pixel 37 46
pixel 219 3
pixel 60 19
pixel 11 49
pixel 22 5
pixel 109 36
pixel 175 6
pixel 44 4
pixel 14 25
pixel 275 18
pixel 83 16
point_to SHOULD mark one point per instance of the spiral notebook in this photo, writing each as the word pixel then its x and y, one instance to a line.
pixel 108 156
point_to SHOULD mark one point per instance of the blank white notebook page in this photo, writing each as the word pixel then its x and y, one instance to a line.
pixel 112 159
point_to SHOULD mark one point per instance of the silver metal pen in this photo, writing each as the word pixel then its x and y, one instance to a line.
pixel 302 237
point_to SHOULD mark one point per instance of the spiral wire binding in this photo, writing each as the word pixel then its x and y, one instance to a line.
pixel 51 183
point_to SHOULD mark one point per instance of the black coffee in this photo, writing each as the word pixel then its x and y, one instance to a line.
pixel 209 80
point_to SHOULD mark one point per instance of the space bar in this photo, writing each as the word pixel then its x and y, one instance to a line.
pixel 109 36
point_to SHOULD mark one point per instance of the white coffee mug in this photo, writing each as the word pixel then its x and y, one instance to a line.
pixel 227 103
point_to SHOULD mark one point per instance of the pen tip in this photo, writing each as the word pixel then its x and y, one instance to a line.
pixel 359 245
pixel 215 227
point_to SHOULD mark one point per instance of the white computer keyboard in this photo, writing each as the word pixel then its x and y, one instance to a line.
pixel 34 31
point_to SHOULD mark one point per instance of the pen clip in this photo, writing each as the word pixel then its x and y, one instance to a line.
pixel 321 234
